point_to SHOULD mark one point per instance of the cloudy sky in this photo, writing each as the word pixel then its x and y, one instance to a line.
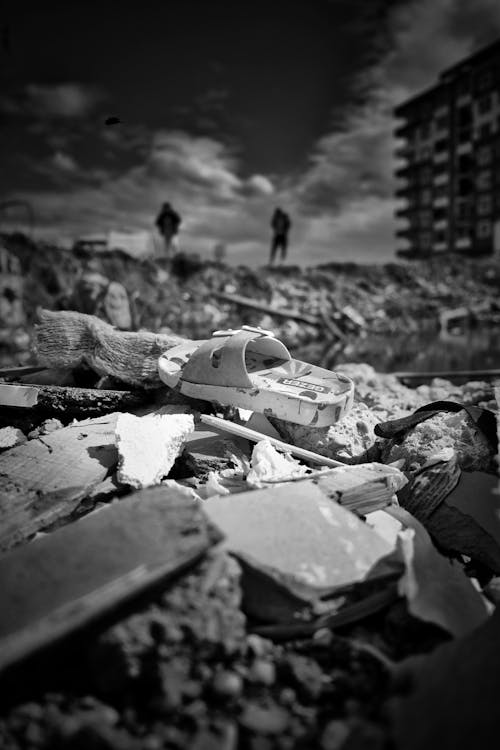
pixel 226 109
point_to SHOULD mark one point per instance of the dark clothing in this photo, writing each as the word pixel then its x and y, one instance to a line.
pixel 280 242
pixel 168 221
pixel 280 224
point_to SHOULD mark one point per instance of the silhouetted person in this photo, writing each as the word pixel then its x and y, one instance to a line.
pixel 168 222
pixel 280 224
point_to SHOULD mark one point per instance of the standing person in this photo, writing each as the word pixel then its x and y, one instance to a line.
pixel 280 224
pixel 168 222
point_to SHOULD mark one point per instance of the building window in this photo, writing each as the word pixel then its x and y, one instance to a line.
pixel 425 218
pixel 465 186
pixel 440 190
pixel 484 155
pixel 483 79
pixel 425 240
pixel 464 117
pixel 425 132
pixel 463 210
pixel 426 197
pixel 442 122
pixel 465 163
pixel 463 85
pixel 425 154
pixel 484 205
pixel 484 104
pixel 465 135
pixel 425 175
pixel 462 230
pixel 442 145
pixel 483 229
pixel 484 131
pixel 483 180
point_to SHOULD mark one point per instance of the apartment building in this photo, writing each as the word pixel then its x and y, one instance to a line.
pixel 448 179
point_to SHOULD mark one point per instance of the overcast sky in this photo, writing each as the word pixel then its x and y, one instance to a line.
pixel 228 108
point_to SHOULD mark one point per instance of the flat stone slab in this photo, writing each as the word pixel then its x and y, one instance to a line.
pixel 66 579
pixel 298 531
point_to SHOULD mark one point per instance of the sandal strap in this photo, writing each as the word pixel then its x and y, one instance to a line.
pixel 221 359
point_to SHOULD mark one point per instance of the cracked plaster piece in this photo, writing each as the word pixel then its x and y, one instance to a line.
pixel 148 445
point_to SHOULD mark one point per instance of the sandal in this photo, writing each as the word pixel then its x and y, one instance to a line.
pixel 251 369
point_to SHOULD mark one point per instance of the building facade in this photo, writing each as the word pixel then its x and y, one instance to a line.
pixel 448 180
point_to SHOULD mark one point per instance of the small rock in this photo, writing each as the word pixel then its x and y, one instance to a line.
pixel 305 675
pixel 288 696
pixel 257 645
pixel 30 711
pixel 323 637
pixel 334 735
pixel 50 425
pixel 45 428
pixel 227 684
pixel 263 672
pixel 10 437
pixel 264 719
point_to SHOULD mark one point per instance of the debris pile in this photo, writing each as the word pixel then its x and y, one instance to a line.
pixel 317 312
pixel 176 574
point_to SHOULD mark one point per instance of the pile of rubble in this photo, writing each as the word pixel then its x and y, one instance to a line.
pixel 311 310
pixel 176 576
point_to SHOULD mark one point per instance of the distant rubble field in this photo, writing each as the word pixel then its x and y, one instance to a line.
pixel 384 299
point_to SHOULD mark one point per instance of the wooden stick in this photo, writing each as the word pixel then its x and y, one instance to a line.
pixel 16 372
pixel 475 374
pixel 255 437
pixel 262 307
pixel 90 402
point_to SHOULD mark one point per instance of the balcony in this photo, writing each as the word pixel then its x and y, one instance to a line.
pixel 406 232
pixel 440 225
pixel 441 201
pixel 441 156
pixel 404 153
pixel 440 247
pixel 463 243
pixel 402 212
pixel 441 178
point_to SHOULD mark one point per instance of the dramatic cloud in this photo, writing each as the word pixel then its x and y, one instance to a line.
pixel 202 162
pixel 64 162
pixel 347 189
pixel 67 100
pixel 261 184
pixel 198 175
pixel 341 204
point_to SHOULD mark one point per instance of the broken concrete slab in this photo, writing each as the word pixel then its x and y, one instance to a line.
pixel 66 579
pixel 297 531
pixel 43 480
pixel 148 445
